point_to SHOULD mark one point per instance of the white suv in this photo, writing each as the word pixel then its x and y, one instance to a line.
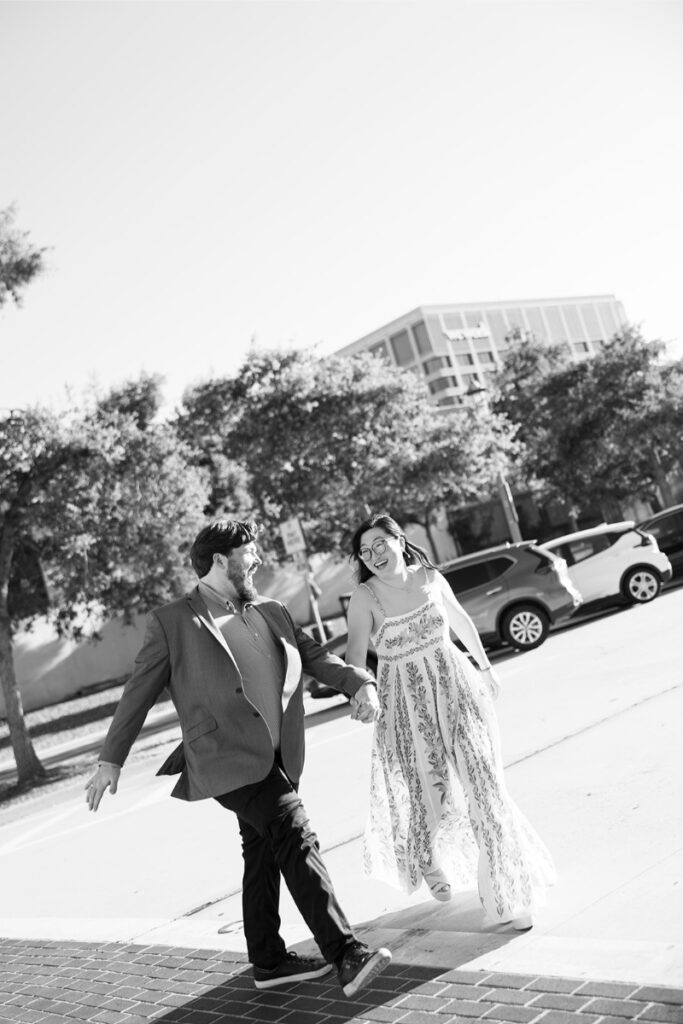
pixel 613 563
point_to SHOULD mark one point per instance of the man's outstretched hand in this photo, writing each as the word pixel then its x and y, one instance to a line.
pixel 106 776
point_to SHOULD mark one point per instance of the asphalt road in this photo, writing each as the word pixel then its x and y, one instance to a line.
pixel 590 726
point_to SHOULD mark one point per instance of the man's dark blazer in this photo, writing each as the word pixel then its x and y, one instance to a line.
pixel 226 743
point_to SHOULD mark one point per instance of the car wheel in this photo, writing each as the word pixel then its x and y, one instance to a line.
pixel 525 627
pixel 641 585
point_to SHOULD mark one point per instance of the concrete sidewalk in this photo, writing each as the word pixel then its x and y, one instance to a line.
pixel 581 964
pixel 117 983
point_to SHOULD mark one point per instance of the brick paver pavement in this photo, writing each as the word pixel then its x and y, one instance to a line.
pixel 112 983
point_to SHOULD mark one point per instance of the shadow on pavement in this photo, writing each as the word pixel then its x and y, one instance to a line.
pixel 322 1000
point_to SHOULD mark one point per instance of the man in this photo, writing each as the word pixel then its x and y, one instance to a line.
pixel 233 665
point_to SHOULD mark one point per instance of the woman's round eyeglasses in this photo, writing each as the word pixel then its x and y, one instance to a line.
pixel 378 548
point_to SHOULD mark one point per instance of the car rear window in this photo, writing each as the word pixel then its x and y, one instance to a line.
pixel 614 537
pixel 544 558
pixel 574 551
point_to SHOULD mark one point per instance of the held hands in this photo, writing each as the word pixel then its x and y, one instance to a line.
pixel 365 704
pixel 107 775
pixel 492 681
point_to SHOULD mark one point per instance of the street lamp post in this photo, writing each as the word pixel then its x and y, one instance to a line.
pixel 509 510
pixel 503 487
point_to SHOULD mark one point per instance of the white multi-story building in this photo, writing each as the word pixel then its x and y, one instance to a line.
pixel 458 347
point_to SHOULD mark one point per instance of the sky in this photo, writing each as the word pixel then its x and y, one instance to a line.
pixel 212 176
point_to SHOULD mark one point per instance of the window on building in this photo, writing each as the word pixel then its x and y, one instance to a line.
pixel 534 316
pixel 442 384
pixel 452 321
pixel 473 317
pixel 496 326
pixel 402 349
pixel 516 321
pixel 450 400
pixel 381 351
pixel 558 333
pixel 422 339
pixel 573 322
pixel 465 359
pixel 471 380
pixel 582 347
pixel 590 318
pixel 609 319
pixel 437 363
pixel 487 357
pixel 460 345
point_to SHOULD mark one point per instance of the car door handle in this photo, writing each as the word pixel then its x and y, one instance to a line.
pixel 496 590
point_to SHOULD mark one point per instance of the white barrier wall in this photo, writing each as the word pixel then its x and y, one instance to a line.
pixel 50 670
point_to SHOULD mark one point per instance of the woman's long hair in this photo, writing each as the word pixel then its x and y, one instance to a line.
pixel 412 553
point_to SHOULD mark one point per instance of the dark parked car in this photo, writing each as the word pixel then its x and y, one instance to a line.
pixel 667 528
pixel 513 592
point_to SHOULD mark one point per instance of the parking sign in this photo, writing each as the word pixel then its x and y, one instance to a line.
pixel 292 536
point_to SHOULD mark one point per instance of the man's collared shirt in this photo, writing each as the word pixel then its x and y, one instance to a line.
pixel 258 655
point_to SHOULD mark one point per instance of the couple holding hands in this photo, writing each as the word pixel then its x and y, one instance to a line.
pixel 439 808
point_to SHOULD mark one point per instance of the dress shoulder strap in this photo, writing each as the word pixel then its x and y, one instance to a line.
pixel 374 595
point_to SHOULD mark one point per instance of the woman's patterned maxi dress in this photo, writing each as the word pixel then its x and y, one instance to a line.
pixel 437 792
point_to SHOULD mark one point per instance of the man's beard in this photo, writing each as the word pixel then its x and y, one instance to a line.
pixel 243 584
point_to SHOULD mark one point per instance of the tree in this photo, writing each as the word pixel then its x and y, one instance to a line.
pixel 457 461
pixel 527 365
pixel 20 260
pixel 110 509
pixel 141 399
pixel 325 440
pixel 605 429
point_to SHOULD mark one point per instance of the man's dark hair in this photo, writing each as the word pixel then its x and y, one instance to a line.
pixel 220 538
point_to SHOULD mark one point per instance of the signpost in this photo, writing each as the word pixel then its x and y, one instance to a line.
pixel 295 544
pixel 292 536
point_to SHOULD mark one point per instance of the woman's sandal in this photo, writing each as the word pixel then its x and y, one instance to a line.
pixel 439 886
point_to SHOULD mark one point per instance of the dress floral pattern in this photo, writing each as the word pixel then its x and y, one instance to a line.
pixel 437 792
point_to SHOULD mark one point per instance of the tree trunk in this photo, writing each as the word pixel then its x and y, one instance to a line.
pixel 660 479
pixel 427 525
pixel 29 767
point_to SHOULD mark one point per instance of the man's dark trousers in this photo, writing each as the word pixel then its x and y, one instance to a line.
pixel 277 838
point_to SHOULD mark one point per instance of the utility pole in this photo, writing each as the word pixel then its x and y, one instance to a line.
pixel 509 510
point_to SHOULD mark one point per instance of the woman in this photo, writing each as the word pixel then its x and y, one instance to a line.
pixel 439 807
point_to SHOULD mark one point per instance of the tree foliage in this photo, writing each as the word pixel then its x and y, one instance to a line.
pixel 602 430
pixel 20 260
pixel 325 440
pixel 457 461
pixel 108 510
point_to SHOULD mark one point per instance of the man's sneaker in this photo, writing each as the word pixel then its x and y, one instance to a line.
pixel 292 968
pixel 359 965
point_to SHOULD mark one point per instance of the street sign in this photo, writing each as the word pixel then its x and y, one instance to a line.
pixel 292 536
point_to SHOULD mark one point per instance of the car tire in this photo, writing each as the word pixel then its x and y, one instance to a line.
pixel 641 585
pixel 524 627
